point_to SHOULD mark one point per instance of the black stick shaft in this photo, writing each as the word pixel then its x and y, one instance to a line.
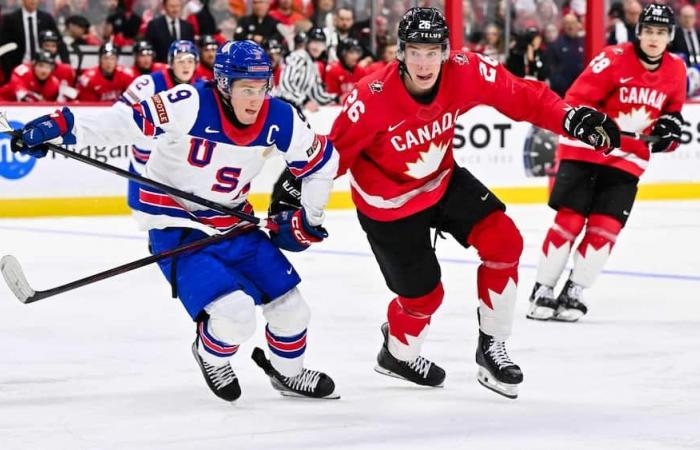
pixel 128 267
pixel 148 182
pixel 640 136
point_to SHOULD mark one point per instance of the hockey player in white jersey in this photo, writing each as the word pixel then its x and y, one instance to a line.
pixel 212 140
pixel 182 64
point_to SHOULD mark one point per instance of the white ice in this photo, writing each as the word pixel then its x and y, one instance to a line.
pixel 109 366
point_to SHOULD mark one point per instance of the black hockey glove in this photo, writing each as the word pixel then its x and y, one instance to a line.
pixel 286 194
pixel 668 129
pixel 592 127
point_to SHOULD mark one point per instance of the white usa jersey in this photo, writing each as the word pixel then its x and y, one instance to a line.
pixel 199 151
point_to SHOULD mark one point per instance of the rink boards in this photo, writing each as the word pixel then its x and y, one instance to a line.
pixel 486 142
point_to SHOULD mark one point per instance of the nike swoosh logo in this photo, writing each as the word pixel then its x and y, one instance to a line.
pixel 289 271
pixel 625 80
pixel 483 199
pixel 209 130
pixel 627 213
pixel 393 127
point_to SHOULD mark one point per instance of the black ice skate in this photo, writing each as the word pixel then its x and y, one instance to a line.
pixel 309 383
pixel 221 379
pixel 496 371
pixel 543 305
pixel 571 306
pixel 420 370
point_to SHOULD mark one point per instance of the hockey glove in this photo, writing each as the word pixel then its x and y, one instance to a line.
pixel 286 193
pixel 668 129
pixel 50 128
pixel 289 230
pixel 17 145
pixel 592 127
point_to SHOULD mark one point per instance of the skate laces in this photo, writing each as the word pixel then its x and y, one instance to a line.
pixel 544 291
pixel 497 351
pixel 305 381
pixel 220 375
pixel 576 292
pixel 420 365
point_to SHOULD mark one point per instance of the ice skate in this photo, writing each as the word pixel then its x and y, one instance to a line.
pixel 496 371
pixel 543 305
pixel 308 383
pixel 570 303
pixel 221 379
pixel 420 370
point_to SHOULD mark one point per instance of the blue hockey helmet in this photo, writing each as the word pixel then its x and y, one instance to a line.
pixel 240 60
pixel 180 47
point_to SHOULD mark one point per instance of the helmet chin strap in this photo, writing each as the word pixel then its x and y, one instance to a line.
pixel 656 62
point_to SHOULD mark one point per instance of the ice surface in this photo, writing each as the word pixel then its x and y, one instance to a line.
pixel 109 366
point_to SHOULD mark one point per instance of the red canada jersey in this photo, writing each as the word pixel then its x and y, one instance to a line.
pixel 94 87
pixel 615 82
pixel 399 151
pixel 64 72
pixel 376 66
pixel 155 67
pixel 203 72
pixel 24 86
pixel 340 80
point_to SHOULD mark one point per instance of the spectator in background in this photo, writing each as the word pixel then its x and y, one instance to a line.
pixel 164 30
pixel 551 33
pixel 285 14
pixel 122 25
pixel 78 31
pixel 388 56
pixel 143 59
pixel 324 16
pixel 33 82
pixel 526 58
pixel 22 27
pixel 342 75
pixel 259 26
pixel 686 41
pixel 207 53
pixel 547 13
pixel 204 22
pixel 565 55
pixel 624 30
pixel 276 51
pixel 493 43
pixel 107 81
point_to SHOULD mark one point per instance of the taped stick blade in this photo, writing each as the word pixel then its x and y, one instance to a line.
pixel 15 279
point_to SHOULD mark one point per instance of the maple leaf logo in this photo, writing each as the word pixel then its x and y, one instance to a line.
pixel 427 162
pixel 637 120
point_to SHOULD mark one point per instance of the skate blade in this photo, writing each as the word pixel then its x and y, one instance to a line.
pixel 540 313
pixel 331 396
pixel 568 315
pixel 489 382
pixel 389 373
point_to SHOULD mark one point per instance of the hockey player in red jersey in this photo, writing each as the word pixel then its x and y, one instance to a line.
pixel 394 136
pixel 33 82
pixel 143 60
pixel 643 87
pixel 48 40
pixel 207 52
pixel 106 81
pixel 342 75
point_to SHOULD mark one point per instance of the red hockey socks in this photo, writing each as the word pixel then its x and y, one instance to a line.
pixel 499 244
pixel 557 246
pixel 409 321
pixel 594 249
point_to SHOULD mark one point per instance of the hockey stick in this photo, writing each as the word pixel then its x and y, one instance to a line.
pixel 5 128
pixel 7 48
pixel 17 281
pixel 640 136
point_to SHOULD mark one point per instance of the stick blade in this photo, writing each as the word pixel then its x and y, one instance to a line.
pixel 15 279
pixel 4 122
